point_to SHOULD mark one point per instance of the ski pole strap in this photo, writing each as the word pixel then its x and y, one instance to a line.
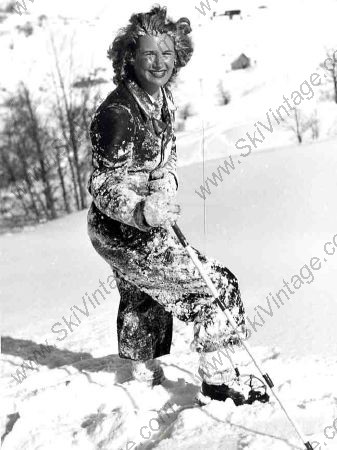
pixel 180 235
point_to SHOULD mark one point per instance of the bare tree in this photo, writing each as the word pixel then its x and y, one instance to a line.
pixel 186 111
pixel 45 158
pixel 224 96
pixel 39 144
pixel 63 128
pixel 330 67
pixel 67 115
pixel 298 124
pixel 313 125
pixel 18 190
pixel 61 171
pixel 21 159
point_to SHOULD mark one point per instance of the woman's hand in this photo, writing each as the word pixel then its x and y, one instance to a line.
pixel 161 180
pixel 158 174
pixel 159 210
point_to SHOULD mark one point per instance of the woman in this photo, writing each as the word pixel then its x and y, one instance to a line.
pixel 133 186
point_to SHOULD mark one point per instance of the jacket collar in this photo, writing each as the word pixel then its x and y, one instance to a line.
pixel 145 102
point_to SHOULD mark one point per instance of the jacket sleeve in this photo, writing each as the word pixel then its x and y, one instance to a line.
pixel 111 186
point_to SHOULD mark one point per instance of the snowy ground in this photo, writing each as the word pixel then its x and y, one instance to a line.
pixel 265 221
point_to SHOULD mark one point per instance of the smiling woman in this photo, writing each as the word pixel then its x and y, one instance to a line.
pixel 133 185
pixel 147 37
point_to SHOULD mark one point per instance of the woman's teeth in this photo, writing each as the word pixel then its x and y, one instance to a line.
pixel 158 73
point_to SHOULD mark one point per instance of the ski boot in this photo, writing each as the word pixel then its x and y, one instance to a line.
pixel 148 372
pixel 243 390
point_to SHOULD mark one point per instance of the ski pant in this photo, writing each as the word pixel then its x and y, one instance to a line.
pixel 157 280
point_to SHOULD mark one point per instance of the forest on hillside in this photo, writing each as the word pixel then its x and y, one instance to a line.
pixel 45 150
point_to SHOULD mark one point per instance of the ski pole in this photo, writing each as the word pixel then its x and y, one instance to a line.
pixel 230 319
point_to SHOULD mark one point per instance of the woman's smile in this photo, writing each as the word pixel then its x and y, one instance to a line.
pixel 158 73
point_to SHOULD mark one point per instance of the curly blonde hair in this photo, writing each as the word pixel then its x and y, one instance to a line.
pixel 122 50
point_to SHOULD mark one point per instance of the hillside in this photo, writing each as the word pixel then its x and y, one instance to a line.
pixel 280 61
pixel 265 221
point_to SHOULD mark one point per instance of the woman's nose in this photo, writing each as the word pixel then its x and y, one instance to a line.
pixel 159 60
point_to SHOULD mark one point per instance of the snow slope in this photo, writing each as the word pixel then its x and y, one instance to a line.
pixel 264 221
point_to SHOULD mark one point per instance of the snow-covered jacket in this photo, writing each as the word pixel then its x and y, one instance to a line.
pixel 128 143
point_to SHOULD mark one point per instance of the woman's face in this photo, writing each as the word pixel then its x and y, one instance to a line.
pixel 154 62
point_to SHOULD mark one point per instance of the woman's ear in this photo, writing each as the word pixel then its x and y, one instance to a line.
pixel 131 59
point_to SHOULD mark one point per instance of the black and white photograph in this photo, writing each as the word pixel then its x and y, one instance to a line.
pixel 168 224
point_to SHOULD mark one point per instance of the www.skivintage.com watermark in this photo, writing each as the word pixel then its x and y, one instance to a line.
pixel 19 7
pixel 67 325
pixel 274 117
pixel 147 431
pixel 203 6
pixel 330 432
pixel 306 275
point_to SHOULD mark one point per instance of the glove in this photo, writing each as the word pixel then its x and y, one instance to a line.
pixel 159 210
pixel 161 180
